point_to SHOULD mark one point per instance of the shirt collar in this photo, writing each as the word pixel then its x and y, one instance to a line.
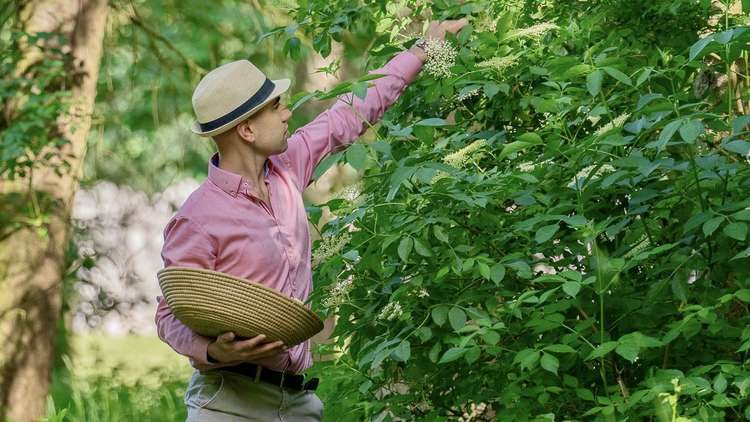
pixel 229 182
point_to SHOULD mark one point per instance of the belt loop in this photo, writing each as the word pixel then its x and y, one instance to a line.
pixel 283 374
pixel 258 369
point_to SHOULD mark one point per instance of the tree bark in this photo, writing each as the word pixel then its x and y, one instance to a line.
pixel 32 259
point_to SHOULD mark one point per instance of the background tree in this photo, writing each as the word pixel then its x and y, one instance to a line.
pixel 54 51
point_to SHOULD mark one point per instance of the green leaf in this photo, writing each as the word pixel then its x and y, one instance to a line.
pixel 526 358
pixel 737 147
pixel 360 89
pixel 559 348
pixel 484 270
pixel 402 352
pixel 743 295
pixel 356 155
pixel 404 248
pixel 370 76
pixel 545 233
pixel 743 254
pixel 690 130
pixel 422 248
pixel 512 148
pixel 452 354
pixel 602 350
pixel 628 350
pixel 440 234
pixel 594 82
pixel 739 124
pixel 720 383
pixel 457 318
pixel 711 225
pixel 696 48
pixel 440 315
pixel 497 273
pixel 300 98
pixel 646 100
pixel 666 134
pixel 326 164
pixel 434 121
pixel 611 71
pixel 736 230
pixel 531 138
pixel 645 73
pixel 571 288
pixel 550 363
pixel 472 354
pixel 491 337
pixel 434 352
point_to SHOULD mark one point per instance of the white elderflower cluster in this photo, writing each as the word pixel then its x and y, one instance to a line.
pixel 339 293
pixel 329 246
pixel 390 312
pixel 459 158
pixel 529 166
pixel 441 56
pixel 499 63
pixel 534 31
pixel 583 175
pixel 351 192
pixel 423 293
pixel 638 247
pixel 465 95
pixel 615 123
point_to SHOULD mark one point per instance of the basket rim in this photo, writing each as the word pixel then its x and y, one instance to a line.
pixel 303 318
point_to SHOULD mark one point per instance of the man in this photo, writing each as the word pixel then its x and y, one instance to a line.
pixel 247 219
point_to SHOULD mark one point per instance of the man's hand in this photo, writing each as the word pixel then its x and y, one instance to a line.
pixel 226 349
pixel 436 31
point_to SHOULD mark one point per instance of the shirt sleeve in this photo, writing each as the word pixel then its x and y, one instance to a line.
pixel 339 126
pixel 185 245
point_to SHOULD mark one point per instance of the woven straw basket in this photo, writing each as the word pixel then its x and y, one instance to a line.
pixel 212 303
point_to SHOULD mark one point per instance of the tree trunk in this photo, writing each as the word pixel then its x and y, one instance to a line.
pixel 32 258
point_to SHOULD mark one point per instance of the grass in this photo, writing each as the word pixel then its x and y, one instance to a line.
pixel 117 379
pixel 136 378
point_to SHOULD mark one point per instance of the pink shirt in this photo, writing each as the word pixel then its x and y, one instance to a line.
pixel 224 227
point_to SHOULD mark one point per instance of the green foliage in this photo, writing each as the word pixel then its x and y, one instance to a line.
pixel 570 241
pixel 33 101
pixel 154 57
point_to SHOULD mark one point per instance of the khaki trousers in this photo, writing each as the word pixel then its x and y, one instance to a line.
pixel 223 396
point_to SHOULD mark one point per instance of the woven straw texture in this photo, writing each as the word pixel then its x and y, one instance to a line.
pixel 212 303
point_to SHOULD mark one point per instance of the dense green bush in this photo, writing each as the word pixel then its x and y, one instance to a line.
pixel 556 230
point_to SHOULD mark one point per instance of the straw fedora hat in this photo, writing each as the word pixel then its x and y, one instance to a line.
pixel 231 93
pixel 212 303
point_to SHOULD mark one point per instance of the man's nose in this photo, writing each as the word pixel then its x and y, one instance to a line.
pixel 287 114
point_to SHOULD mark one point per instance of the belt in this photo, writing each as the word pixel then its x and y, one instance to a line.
pixel 279 379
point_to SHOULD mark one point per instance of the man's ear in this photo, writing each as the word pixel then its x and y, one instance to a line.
pixel 246 131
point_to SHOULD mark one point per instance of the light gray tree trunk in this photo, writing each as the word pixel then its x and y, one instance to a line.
pixel 32 258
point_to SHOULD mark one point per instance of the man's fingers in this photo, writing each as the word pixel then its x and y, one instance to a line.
pixel 253 342
pixel 455 26
pixel 226 337
pixel 251 353
pixel 269 349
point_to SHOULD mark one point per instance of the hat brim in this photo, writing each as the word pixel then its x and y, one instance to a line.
pixel 281 86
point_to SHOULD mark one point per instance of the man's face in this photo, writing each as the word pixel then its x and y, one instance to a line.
pixel 271 128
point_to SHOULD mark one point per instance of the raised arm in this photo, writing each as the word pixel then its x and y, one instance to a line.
pixel 348 118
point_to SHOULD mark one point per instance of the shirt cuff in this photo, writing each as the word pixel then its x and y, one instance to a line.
pixel 406 64
pixel 200 352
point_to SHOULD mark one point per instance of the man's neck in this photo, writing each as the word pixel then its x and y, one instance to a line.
pixel 246 164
